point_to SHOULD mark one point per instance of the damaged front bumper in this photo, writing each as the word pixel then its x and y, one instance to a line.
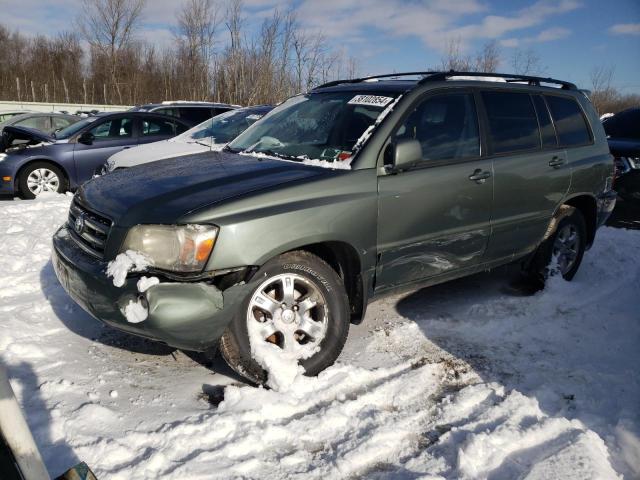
pixel 187 315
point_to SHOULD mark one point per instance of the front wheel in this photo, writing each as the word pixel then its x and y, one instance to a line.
pixel 40 177
pixel 298 312
pixel 562 252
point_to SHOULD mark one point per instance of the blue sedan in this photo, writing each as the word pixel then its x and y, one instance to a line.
pixel 33 162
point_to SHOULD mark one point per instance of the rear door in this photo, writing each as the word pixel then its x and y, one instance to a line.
pixel 532 174
pixel 110 136
pixel 434 219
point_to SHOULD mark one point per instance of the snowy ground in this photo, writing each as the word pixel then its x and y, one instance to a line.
pixel 472 379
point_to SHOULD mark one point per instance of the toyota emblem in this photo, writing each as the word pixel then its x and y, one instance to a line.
pixel 79 224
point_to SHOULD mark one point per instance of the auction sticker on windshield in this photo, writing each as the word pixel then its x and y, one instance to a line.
pixel 371 100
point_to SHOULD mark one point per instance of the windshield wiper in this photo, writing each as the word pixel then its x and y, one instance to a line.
pixel 227 148
pixel 273 154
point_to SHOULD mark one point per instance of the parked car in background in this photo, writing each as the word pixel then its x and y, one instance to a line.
pixel 192 113
pixel 44 122
pixel 623 135
pixel 212 134
pixel 7 114
pixel 271 247
pixel 33 162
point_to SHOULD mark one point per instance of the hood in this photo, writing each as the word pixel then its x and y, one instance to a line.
pixel 152 152
pixel 624 147
pixel 24 136
pixel 165 191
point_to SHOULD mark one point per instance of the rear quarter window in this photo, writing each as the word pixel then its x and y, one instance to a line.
pixel 569 120
pixel 195 115
pixel 513 125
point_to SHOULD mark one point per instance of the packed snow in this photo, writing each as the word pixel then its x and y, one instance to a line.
pixel 477 378
pixel 129 261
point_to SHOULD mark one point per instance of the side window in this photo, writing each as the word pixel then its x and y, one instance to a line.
pixel 547 131
pixel 196 115
pixel 39 123
pixel 446 127
pixel 158 126
pixel 513 125
pixel 168 111
pixel 570 123
pixel 180 128
pixel 113 129
pixel 60 122
pixel 219 110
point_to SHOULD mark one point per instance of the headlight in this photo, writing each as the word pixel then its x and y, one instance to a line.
pixel 179 248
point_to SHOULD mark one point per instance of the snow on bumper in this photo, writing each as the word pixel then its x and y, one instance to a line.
pixel 192 316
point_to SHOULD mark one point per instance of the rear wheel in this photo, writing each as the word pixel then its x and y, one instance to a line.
pixel 562 252
pixel 299 306
pixel 40 177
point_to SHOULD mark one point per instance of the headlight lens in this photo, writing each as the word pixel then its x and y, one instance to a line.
pixel 179 248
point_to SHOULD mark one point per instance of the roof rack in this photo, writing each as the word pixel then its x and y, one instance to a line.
pixel 372 77
pixel 431 76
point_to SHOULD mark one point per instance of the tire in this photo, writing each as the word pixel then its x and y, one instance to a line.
pixel 571 222
pixel 309 271
pixel 52 178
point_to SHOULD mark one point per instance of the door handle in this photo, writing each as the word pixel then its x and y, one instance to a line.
pixel 125 148
pixel 479 176
pixel 556 162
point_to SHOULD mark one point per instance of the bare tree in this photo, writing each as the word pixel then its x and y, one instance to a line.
pixel 198 21
pixel 109 26
pixel 603 95
pixel 527 62
pixel 454 58
pixel 488 58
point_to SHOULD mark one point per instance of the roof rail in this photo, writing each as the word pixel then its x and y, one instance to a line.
pixel 509 77
pixel 431 76
pixel 373 77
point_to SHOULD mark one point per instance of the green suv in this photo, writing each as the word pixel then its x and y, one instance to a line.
pixel 355 189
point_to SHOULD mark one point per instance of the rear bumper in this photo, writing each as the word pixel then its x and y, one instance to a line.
pixel 191 316
pixel 606 203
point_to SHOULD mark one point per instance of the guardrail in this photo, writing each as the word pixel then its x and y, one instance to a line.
pixel 57 107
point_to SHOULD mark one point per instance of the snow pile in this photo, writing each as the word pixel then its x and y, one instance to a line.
pixel 461 381
pixel 135 312
pixel 282 366
pixel 129 261
pixel 145 283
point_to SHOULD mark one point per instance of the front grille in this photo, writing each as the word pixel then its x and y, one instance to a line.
pixel 92 232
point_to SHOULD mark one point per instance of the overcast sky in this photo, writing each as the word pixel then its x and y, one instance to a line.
pixel 570 36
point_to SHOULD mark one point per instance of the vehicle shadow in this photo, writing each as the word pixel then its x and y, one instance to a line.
pixel 57 456
pixel 625 215
pixel 81 323
pixel 496 324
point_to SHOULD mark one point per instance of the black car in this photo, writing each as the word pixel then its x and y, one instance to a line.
pixel 623 133
pixel 192 113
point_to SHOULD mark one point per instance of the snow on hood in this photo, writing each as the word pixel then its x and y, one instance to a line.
pixel 152 152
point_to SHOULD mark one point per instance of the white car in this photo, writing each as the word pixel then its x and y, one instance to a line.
pixel 210 135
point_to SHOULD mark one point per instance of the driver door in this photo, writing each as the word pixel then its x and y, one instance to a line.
pixel 434 218
pixel 109 137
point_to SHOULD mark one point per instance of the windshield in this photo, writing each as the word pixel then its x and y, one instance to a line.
pixel 75 128
pixel 316 126
pixel 222 128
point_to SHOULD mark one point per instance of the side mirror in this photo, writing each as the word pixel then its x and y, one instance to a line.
pixel 403 155
pixel 86 138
